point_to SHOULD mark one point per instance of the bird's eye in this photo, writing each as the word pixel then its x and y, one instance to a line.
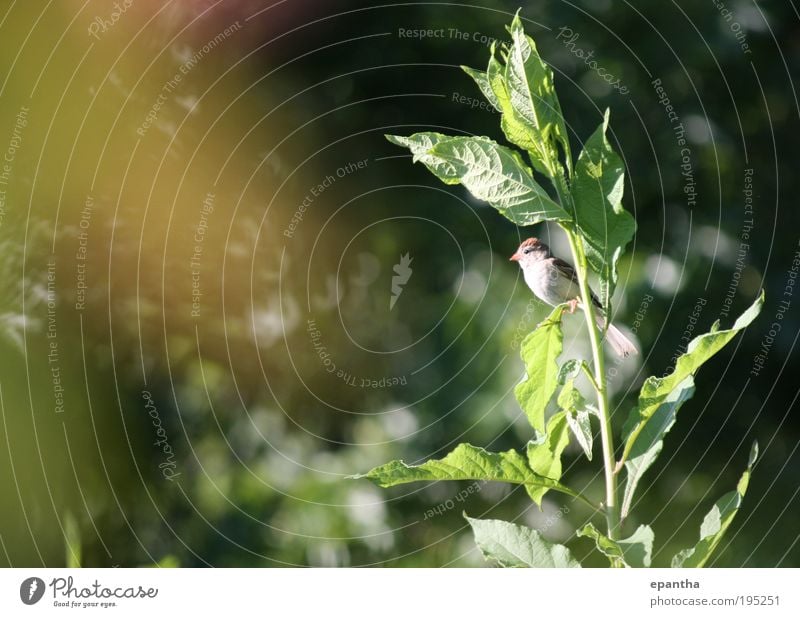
pixel 527 250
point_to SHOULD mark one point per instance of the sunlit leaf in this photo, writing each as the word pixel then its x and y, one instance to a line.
pixel 524 92
pixel 531 90
pixel 514 546
pixel 485 86
pixel 544 453
pixel 516 130
pixel 491 172
pixel 421 145
pixel 466 462
pixel 540 351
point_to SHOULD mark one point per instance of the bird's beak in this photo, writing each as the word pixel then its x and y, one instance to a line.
pixel 515 257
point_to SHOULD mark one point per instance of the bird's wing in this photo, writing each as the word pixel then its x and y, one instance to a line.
pixel 568 271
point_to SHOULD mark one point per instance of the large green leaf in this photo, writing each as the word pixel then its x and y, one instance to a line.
pixel 524 92
pixel 648 446
pixel 544 453
pixel 514 546
pixel 466 462
pixel 516 130
pixel 634 551
pixel 532 93
pixel 498 175
pixel 540 351
pixel 656 390
pixel 606 227
pixel 491 172
pixel 716 522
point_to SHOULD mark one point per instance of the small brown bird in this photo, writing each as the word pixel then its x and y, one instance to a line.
pixel 554 281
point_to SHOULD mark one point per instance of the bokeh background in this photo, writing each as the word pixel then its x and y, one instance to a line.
pixel 201 217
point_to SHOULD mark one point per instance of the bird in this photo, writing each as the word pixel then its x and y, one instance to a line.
pixel 555 282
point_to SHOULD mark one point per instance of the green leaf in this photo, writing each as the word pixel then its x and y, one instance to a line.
pixel 655 390
pixel 494 173
pixel 651 440
pixel 568 371
pixel 485 86
pixel 637 549
pixel 531 90
pixel 540 351
pixel 420 145
pixel 544 453
pixel 515 128
pixel 570 397
pixel 716 522
pixel 524 92
pixel 491 172
pixel 578 414
pixel 606 227
pixel 497 83
pixel 632 552
pixel 466 462
pixel 514 546
pixel 497 175
pixel 581 426
pixel 605 545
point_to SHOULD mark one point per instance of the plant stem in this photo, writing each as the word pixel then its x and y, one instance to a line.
pixel 611 506
pixel 600 386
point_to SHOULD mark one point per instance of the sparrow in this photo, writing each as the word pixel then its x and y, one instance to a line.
pixel 555 282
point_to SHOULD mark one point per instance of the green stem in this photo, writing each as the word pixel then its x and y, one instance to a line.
pixel 611 506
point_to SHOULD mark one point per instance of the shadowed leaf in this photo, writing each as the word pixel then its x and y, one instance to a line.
pixel 651 440
pixel 716 522
pixel 656 390
pixel 632 552
pixel 578 415
pixel 606 227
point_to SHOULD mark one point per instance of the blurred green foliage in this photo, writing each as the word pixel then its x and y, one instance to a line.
pixel 263 434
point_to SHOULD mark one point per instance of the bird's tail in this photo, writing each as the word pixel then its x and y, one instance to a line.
pixel 620 343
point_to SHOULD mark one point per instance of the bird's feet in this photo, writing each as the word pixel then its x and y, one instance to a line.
pixel 573 305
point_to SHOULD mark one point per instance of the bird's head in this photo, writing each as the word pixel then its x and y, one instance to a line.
pixel 530 251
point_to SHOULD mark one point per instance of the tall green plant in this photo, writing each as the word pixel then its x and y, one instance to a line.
pixel 589 210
